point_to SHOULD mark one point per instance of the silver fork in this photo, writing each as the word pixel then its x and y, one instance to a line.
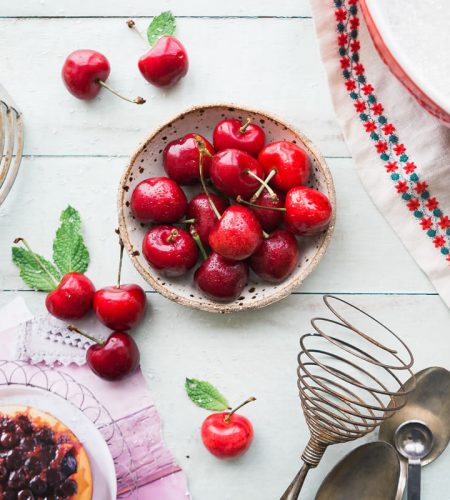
pixel 11 143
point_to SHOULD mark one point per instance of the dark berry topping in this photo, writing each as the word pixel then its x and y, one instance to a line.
pixel 25 495
pixel 17 480
pixel 54 477
pixel 24 423
pixel 38 486
pixel 9 440
pixel 68 465
pixel 33 465
pixel 14 459
pixel 45 435
pixel 47 454
pixel 3 473
pixel 67 489
pixel 27 443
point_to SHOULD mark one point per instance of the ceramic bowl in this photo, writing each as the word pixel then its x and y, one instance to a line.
pixel 146 162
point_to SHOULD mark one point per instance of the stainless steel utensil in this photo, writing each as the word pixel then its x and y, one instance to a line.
pixel 346 379
pixel 11 143
pixel 414 441
pixel 370 472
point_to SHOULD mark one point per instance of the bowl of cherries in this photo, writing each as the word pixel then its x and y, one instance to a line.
pixel 226 208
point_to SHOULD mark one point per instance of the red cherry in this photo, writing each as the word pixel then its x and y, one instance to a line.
pixel 199 208
pixel 237 234
pixel 221 279
pixel 170 250
pixel 290 162
pixel 85 72
pixel 165 63
pixel 269 219
pixel 72 298
pixel 115 358
pixel 233 134
pixel 181 159
pixel 227 434
pixel 158 199
pixel 82 71
pixel 230 173
pixel 277 257
pixel 308 211
pixel 120 307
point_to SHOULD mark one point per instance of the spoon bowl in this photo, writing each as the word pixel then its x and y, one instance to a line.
pixel 413 440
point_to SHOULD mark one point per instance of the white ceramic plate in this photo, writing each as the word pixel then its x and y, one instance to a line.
pixel 147 162
pixel 102 465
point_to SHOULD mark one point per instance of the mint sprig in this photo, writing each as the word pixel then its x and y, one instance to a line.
pixel 205 395
pixel 70 254
pixel 161 25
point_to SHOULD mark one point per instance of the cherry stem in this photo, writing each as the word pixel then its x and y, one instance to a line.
pixel 239 199
pixel 265 185
pixel 202 151
pixel 132 25
pixel 37 259
pixel 119 273
pixel 137 100
pixel 265 235
pixel 244 127
pixel 73 328
pixel 249 400
pixel 187 221
pixel 172 236
pixel 199 243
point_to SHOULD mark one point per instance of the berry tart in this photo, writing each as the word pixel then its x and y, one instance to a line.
pixel 40 458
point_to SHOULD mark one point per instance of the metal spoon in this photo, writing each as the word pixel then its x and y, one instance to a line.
pixel 370 472
pixel 414 441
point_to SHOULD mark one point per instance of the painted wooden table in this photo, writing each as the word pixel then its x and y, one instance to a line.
pixel 260 53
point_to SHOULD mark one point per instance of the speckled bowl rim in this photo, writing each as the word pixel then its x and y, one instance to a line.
pixel 218 307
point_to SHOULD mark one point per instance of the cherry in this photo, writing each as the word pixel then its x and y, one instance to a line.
pixel 170 250
pixel 165 63
pixel 199 209
pixel 221 279
pixel 120 307
pixel 158 199
pixel 308 211
pixel 181 159
pixel 227 434
pixel 290 162
pixel 277 256
pixel 114 358
pixel 236 173
pixel 72 298
pixel 269 219
pixel 232 133
pixel 237 234
pixel 84 74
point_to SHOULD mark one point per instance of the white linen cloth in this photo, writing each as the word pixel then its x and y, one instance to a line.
pixel 402 153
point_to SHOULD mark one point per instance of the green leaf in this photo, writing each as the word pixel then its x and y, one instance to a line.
pixel 32 273
pixel 164 24
pixel 70 253
pixel 205 395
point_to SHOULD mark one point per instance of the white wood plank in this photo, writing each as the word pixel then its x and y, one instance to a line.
pixel 364 256
pixel 255 354
pixel 270 64
pixel 145 8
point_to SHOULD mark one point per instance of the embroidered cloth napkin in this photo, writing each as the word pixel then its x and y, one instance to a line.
pixel 402 153
pixel 148 471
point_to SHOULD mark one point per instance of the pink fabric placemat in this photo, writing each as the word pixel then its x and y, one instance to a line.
pixel 155 472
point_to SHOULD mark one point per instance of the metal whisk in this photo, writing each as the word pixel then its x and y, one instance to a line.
pixel 11 143
pixel 346 380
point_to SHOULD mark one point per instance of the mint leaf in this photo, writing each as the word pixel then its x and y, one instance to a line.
pixel 164 24
pixel 205 395
pixel 70 253
pixel 32 273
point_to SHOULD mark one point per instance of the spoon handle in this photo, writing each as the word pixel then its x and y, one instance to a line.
pixel 293 490
pixel 414 470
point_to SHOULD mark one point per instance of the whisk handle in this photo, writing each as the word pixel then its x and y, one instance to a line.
pixel 293 490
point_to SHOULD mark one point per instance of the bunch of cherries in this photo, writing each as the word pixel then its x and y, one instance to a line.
pixel 259 205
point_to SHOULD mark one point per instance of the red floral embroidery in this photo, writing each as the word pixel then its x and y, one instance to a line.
pixel 432 203
pixel 409 167
pixel 444 222
pixel 370 126
pixel 355 46
pixel 342 39
pixel 341 15
pixel 421 187
pixel 354 23
pixel 345 62
pixel 350 84
pixel 381 146
pixel 367 89
pixel 388 129
pixel 426 223
pixel 359 69
pixel 399 149
pixel 413 204
pixel 439 241
pixel 377 108
pixel 360 106
pixel 391 166
pixel 401 187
